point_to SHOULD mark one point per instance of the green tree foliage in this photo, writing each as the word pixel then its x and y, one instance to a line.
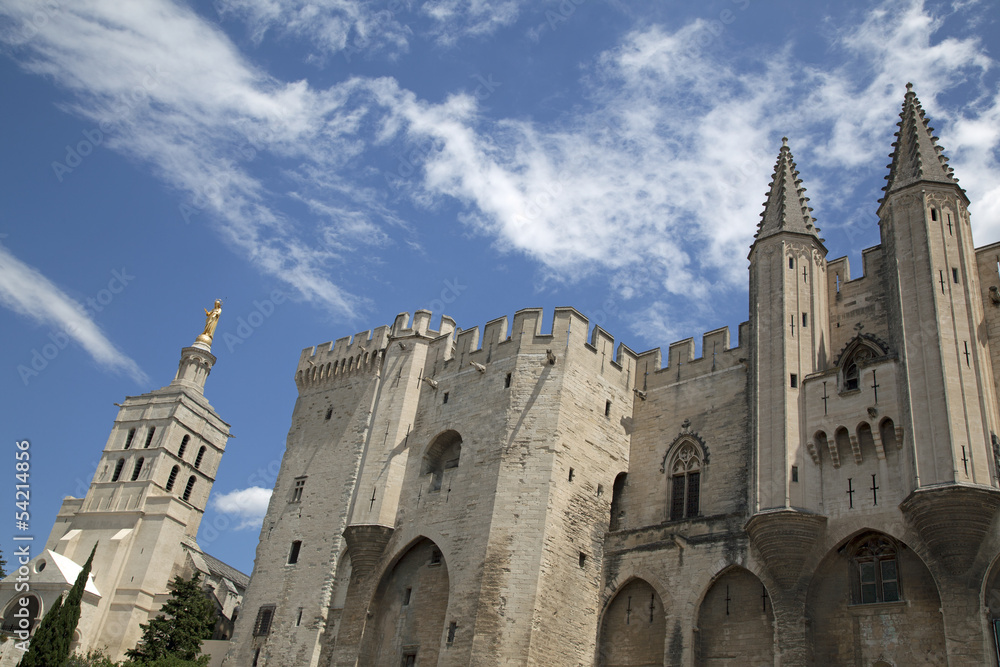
pixel 188 618
pixel 3 566
pixel 51 642
pixel 93 658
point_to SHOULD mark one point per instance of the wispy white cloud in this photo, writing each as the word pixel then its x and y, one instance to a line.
pixel 657 179
pixel 248 506
pixel 27 292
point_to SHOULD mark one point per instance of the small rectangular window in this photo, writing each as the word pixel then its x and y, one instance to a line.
pixel 600 490
pixel 410 659
pixel 445 400
pixel 506 381
pixel 791 263
pixel 436 558
pixel 263 624
pixel 149 437
pixel 583 559
pixel 452 629
pixel 954 275
pixel 805 320
pixel 607 408
pixel 293 554
pixel 298 619
pixel 795 473
pixel 300 485
pixel 794 380
pixel 571 473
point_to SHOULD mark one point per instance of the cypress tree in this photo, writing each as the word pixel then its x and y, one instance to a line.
pixel 188 618
pixel 51 642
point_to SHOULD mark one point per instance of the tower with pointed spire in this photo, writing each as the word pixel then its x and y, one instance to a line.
pixel 788 325
pixel 143 509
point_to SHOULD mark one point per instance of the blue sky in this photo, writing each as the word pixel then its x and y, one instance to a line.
pixel 356 160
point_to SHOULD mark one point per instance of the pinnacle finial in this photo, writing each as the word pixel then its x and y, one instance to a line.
pixel 786 208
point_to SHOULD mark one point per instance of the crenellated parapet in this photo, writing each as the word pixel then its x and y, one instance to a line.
pixel 348 356
pixel 682 364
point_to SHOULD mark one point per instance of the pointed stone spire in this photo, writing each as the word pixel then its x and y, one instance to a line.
pixel 786 208
pixel 916 155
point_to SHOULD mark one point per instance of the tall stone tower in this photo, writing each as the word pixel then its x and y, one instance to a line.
pixel 788 330
pixel 144 505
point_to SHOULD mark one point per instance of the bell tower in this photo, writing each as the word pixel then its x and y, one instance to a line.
pixel 147 497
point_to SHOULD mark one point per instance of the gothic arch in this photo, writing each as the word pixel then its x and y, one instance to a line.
pixel 409 608
pixel 633 627
pixel 857 353
pixel 735 617
pixel 684 464
pixel 441 456
pixel 856 599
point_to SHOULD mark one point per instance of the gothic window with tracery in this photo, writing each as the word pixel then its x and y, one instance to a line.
pixel 852 366
pixel 685 482
pixel 876 571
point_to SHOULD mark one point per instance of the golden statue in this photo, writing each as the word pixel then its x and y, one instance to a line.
pixel 211 321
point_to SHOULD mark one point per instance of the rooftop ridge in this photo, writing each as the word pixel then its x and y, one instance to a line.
pixel 786 207
pixel 916 155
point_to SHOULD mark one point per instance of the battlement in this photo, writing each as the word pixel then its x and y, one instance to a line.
pixel 569 329
pixel 346 355
pixel 683 365
pixel 838 270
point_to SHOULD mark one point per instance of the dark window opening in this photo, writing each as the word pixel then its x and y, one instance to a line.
pixel 137 469
pixel 617 501
pixel 201 455
pixel 173 477
pixel 410 659
pixel 118 470
pixel 293 553
pixel 600 490
pixel 954 275
pixel 571 473
pixel 149 437
pixel 406 596
pixel 298 619
pixel 435 557
pixel 452 629
pixel 607 408
pixel 791 263
pixel 583 559
pixel 184 444
pixel 256 657
pixel 934 214
pixel 263 624
pixel 128 439
pixel 685 483
pixel 329 413
pixel 506 381
pixel 189 488
pixel 445 399
pixel 794 380
pixel 805 320
pixel 795 473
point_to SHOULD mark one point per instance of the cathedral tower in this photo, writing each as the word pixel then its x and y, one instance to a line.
pixel 146 500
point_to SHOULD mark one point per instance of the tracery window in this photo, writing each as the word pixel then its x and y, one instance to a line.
pixel 858 358
pixel 876 572
pixel 685 482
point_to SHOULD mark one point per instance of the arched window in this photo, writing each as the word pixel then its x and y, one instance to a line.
pixel 118 470
pixel 149 436
pixel 617 501
pixel 184 444
pixel 859 354
pixel 18 616
pixel 293 553
pixel 201 455
pixel 685 482
pixel 875 571
pixel 173 477
pixel 137 469
pixel 189 488
pixel 128 439
pixel 443 454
